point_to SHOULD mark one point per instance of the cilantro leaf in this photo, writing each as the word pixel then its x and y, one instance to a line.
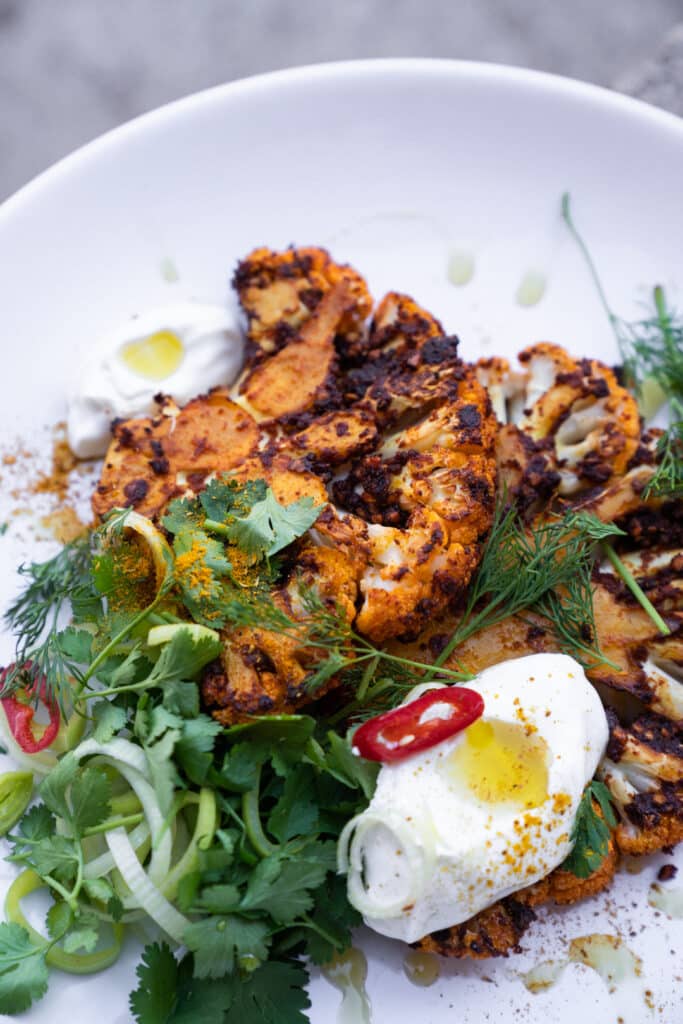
pixel 591 831
pixel 90 798
pixel 182 698
pixel 335 917
pixel 81 938
pixel 219 899
pixel 353 771
pixel 241 765
pixel 269 526
pixel 108 720
pixel 98 889
pixel 54 786
pixel 183 514
pixel 162 768
pixel 287 895
pixel 55 855
pixel 76 644
pixel 296 812
pixel 194 749
pixel 220 497
pixel 217 941
pixel 274 993
pixel 200 568
pixel 154 999
pixel 23 972
pixel 130 670
pixel 59 919
pixel 37 823
pixel 183 657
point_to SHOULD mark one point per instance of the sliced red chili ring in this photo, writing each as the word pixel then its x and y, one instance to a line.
pixel 418 725
pixel 19 710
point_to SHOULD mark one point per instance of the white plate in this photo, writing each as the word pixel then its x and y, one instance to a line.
pixel 390 164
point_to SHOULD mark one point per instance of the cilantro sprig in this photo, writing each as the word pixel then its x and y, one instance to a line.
pixel 591 831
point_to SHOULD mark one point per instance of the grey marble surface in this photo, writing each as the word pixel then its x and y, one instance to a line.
pixel 71 69
pixel 660 79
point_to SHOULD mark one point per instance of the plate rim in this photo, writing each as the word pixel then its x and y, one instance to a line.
pixel 241 89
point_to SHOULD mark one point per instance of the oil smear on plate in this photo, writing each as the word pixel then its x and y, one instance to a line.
pixel 169 271
pixel 348 973
pixel 618 967
pixel 669 901
pixel 421 968
pixel 460 267
pixel 531 288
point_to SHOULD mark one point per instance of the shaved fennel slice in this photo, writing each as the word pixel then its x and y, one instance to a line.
pixel 145 893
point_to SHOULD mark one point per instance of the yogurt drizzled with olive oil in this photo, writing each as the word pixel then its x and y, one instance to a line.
pixel 181 350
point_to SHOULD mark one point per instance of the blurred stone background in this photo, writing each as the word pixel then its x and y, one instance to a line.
pixel 71 69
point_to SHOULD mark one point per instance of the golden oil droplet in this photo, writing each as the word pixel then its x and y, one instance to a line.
pixel 421 968
pixel 155 357
pixel 460 267
pixel 531 288
pixel 500 762
pixel 348 972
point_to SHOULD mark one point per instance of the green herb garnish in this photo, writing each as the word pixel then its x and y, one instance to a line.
pixel 545 569
pixel 652 350
pixel 591 831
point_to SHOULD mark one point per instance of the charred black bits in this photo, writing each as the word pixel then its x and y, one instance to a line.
pixel 440 350
pixel 469 416
pixel 136 491
pixel 667 872
pixel 160 466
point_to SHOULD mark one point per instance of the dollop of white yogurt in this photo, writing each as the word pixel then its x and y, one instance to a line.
pixel 454 828
pixel 180 350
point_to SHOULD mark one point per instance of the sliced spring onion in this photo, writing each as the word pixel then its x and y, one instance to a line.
pixel 204 829
pixel 15 794
pixel 117 750
pixel 75 963
pixel 102 865
pixel 130 761
pixel 419 863
pixel 145 893
pixel 163 634
pixel 162 556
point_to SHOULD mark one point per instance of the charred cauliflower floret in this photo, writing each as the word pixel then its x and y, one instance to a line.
pixel 591 422
pixel 332 439
pixel 643 770
pixel 301 375
pixel 437 453
pixel 262 670
pixel 403 339
pixel 412 575
pixel 639 659
pixel 279 291
pixel 152 460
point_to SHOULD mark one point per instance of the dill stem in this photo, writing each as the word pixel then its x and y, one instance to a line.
pixel 573 230
pixel 635 588
pixel 662 314
pixel 367 676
